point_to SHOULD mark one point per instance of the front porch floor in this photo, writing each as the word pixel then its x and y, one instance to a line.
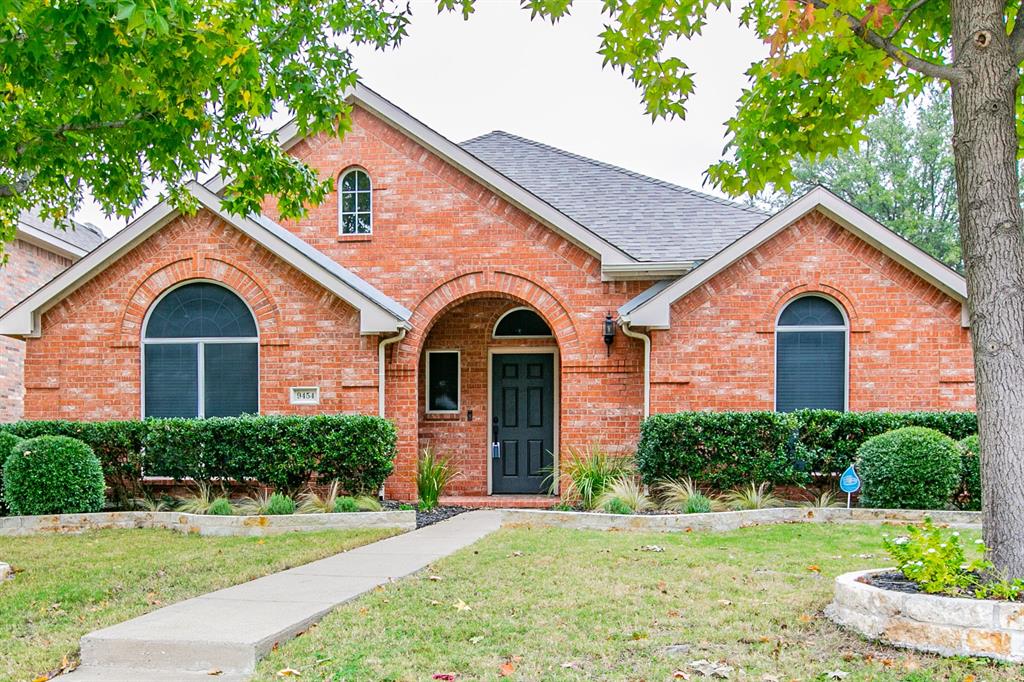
pixel 500 501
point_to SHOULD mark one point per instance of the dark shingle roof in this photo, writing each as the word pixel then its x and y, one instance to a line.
pixel 650 219
pixel 80 235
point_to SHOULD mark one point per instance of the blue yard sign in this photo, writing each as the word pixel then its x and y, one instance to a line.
pixel 849 483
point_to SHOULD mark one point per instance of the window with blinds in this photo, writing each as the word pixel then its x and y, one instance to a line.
pixel 811 356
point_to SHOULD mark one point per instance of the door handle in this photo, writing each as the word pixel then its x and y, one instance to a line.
pixel 494 431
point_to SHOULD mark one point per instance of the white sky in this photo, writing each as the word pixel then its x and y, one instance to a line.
pixel 502 71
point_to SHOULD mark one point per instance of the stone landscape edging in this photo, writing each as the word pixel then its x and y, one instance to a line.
pixel 731 520
pixel 949 626
pixel 202 524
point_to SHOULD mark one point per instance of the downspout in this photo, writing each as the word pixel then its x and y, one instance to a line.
pixel 380 367
pixel 624 323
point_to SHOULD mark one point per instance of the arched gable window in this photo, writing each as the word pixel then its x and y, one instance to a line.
pixel 521 322
pixel 811 339
pixel 355 205
pixel 200 354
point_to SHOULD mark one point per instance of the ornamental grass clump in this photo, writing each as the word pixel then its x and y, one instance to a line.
pixel 588 473
pixel 625 495
pixel 433 474
pixel 698 503
pixel 909 468
pixel 753 496
pixel 265 503
pixel 53 475
pixel 683 495
pixel 313 502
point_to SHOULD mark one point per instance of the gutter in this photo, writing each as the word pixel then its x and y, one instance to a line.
pixel 624 323
pixel 380 367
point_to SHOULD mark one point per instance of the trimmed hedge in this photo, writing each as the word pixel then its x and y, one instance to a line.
pixel 968 497
pixel 8 441
pixel 724 449
pixel 53 475
pixel 281 452
pixel 117 444
pixel 909 468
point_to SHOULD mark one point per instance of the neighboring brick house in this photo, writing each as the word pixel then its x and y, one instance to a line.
pixel 499 291
pixel 40 251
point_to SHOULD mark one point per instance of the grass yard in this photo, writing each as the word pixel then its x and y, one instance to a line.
pixel 68 585
pixel 572 605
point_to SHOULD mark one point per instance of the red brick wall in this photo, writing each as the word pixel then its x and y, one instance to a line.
pixel 87 363
pixel 908 350
pixel 28 267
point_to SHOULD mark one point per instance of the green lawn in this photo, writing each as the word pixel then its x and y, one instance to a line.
pixel 68 585
pixel 572 605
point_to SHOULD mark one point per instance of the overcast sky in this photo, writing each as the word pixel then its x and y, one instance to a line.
pixel 502 71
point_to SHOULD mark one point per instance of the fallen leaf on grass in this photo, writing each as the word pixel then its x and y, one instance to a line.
pixel 663 587
pixel 444 676
pixel 506 669
pixel 970 678
pixel 288 672
pixel 725 602
pixel 517 553
pixel 805 618
pixel 462 606
pixel 476 639
pixel 680 675
pixel 571 664
pixel 711 668
pixel 814 568
pixel 434 602
pixel 214 672
pixel 769 678
pixel 435 578
pixel 652 548
pixel 837 674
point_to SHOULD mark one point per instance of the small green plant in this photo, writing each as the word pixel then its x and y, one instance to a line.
pixel 909 468
pixel 587 474
pixel 1003 590
pixel 266 503
pixel 53 475
pixel 563 506
pixel 625 492
pixel 280 505
pixel 753 496
pixel 698 503
pixel 617 506
pixel 823 500
pixel 433 474
pixel 312 502
pixel 406 507
pixel 198 502
pixel 153 504
pixel 935 561
pixel 968 496
pixel 345 505
pixel 220 506
pixel 366 503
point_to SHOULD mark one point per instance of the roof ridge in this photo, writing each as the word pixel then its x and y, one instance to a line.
pixel 619 169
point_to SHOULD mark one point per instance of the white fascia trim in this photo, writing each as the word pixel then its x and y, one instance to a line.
pixel 630 271
pixel 655 313
pixel 29 234
pixel 288 135
pixel 24 318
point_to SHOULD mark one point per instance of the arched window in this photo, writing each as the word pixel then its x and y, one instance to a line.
pixel 521 322
pixel 355 208
pixel 811 355
pixel 200 354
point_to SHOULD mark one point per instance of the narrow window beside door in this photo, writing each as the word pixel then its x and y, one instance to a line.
pixel 443 381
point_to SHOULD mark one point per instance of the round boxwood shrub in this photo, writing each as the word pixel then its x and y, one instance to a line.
pixel 969 495
pixel 221 507
pixel 909 468
pixel 53 475
pixel 8 441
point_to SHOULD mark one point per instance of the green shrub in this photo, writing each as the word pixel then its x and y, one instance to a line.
pixel 935 560
pixel 616 505
pixel 697 503
pixel 8 441
pixel 220 507
pixel 117 445
pixel 366 503
pixel 968 496
pixel 53 475
pixel 625 492
pixel 909 468
pixel 752 496
pixel 721 449
pixel 345 505
pixel 433 473
pixel 280 505
pixel 588 473
pixel 281 452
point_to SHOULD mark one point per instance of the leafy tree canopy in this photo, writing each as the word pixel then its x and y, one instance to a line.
pixel 901 174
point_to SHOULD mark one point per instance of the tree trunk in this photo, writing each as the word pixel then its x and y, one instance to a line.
pixel 992 238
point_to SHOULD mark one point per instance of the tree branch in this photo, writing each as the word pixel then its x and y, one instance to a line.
pixel 931 69
pixel 903 19
pixel 1017 34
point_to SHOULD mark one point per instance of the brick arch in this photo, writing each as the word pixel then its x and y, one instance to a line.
pixel 477 284
pixel 170 273
pixel 783 298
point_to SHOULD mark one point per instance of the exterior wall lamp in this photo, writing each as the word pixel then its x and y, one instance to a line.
pixel 609 332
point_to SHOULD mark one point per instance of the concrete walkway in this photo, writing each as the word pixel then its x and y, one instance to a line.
pixel 231 629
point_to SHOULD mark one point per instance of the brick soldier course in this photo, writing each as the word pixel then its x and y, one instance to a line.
pixel 460 236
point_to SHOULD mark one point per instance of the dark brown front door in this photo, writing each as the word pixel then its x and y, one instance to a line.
pixel 522 422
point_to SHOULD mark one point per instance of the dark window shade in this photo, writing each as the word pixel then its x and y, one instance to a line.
pixel 172 380
pixel 230 379
pixel 810 371
pixel 443 391
pixel 200 310
pixel 522 323
pixel 811 311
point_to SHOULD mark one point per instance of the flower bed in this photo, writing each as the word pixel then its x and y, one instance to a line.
pixel 950 626
pixel 205 524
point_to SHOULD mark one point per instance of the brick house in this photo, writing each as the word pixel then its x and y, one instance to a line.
pixel 500 300
pixel 40 251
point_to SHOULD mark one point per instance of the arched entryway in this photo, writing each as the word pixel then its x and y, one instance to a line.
pixel 488 384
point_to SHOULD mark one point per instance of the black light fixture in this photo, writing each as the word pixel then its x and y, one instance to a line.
pixel 609 332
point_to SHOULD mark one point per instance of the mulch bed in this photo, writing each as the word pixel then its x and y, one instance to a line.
pixel 893 581
pixel 427 518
